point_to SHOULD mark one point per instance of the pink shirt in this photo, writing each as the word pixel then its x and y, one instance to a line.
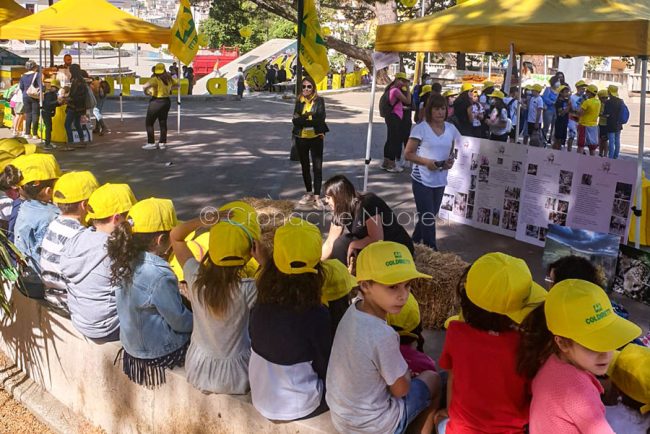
pixel 566 400
pixel 398 107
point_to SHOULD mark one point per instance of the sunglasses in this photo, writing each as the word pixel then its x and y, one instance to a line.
pixel 307 86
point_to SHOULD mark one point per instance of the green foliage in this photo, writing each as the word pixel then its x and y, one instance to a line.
pixel 594 62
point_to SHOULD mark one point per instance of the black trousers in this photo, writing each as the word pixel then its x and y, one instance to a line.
pixel 158 110
pixel 314 147
pixel 394 137
pixel 47 121
pixel 31 115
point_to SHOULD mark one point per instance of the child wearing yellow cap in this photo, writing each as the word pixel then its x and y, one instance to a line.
pixel 588 121
pixel 535 113
pixel 496 293
pixel 369 385
pixel 575 101
pixel 85 265
pixel 71 193
pixel 289 327
pixel 155 325
pixel 218 356
pixel 50 102
pixel 336 289
pixel 603 149
pixel 574 342
pixel 9 180
pixel 562 108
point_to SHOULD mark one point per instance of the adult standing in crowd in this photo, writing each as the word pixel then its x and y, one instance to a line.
pixel 270 77
pixel 29 85
pixel 588 121
pixel 241 82
pixel 535 115
pixel 282 75
pixel 188 73
pixel 309 129
pixel 613 109
pixel 549 97
pixel 101 90
pixel 161 85
pixel 358 220
pixel 497 119
pixel 463 110
pixel 431 148
pixel 76 105
pixel 63 71
pixel 398 98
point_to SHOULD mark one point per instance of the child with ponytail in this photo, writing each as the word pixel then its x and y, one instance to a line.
pixel 155 326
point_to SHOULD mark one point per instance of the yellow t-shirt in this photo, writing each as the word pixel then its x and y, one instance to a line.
pixel 308 132
pixel 160 89
pixel 591 111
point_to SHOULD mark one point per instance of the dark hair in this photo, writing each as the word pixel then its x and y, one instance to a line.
pixel 75 72
pixel 165 77
pixel 10 177
pixel 536 344
pixel 436 87
pixel 346 198
pixel 70 208
pixel 310 80
pixel 126 249
pixel 477 317
pixel 297 291
pixel 434 101
pixel 33 189
pixel 499 104
pixel 425 76
pixel 216 285
pixel 576 267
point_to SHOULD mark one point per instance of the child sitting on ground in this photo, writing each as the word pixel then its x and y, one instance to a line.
pixel 220 348
pixel 369 386
pixel 336 290
pixel 565 351
pixel 85 265
pixel 155 326
pixel 290 329
pixel 11 202
pixel 496 293
pixel 71 193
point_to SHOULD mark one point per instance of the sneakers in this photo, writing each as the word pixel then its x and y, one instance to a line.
pixel 49 147
pixel 320 205
pixel 150 147
pixel 395 169
pixel 162 146
pixel 306 198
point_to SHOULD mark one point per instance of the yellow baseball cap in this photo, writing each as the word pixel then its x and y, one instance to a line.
pixel 466 86
pixel 562 87
pixel 198 246
pixel 497 94
pixel 230 244
pixel 159 68
pixel 613 90
pixel 537 87
pixel 74 187
pixel 152 215
pixel 450 92
pixel 630 372
pixel 109 200
pixel 401 75
pixel 407 319
pixel 425 89
pixel 487 84
pixel 502 284
pixel 458 317
pixel 297 247
pixel 581 83
pixel 592 88
pixel 244 214
pixel 37 167
pixel 16 146
pixel 581 311
pixel 338 280
pixel 55 83
pixel 388 263
pixel 603 93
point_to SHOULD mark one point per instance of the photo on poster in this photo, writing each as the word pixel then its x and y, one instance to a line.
pixel 460 204
pixel 474 164
pixel 485 161
pixel 542 234
pixel 500 161
pixel 470 212
pixel 501 149
pixel 511 205
pixel 563 206
pixel 566 178
pixel 470 197
pixel 484 174
pixel 506 220
pixel 532 231
pixel 550 203
pixel 586 179
pixel 483 216
pixel 632 277
pixel 599 248
pixel 513 192
pixel 447 202
pixel 496 216
pixel 509 221
pixel 532 169
pixel 516 166
pixel 621 208
pixel 623 191
pixel 472 182
pixel 558 218
pixel 617 225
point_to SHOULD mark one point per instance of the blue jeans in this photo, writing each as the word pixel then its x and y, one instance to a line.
pixel 71 117
pixel 614 144
pixel 417 400
pixel 427 203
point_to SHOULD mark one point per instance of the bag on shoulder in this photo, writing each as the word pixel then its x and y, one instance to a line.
pixel 33 91
pixel 385 107
pixel 624 114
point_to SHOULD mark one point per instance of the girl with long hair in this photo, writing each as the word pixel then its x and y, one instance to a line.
pixel 76 106
pixel 155 326
pixel 497 120
pixel 160 88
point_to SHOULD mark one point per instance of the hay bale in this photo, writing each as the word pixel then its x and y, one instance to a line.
pixel 437 297
pixel 271 213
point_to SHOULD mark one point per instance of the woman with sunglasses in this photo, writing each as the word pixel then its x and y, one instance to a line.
pixel 309 129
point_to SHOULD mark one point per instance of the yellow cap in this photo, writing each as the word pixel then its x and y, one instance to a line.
pixel 244 214
pixel 487 84
pixel 502 284
pixel 37 167
pixel 338 280
pixel 603 93
pixel 450 93
pixel 159 68
pixel 74 187
pixel 466 86
pixel 55 83
pixel 562 87
pixel 30 148
pixel 407 319
pixel 537 87
pixel 425 89
pixel 109 200
pixel 581 83
pixel 388 263
pixel 198 246
pixel 592 88
pixel 497 94
pixel 297 247
pixel 16 146
pixel 581 311
pixel 452 318
pixel 630 372
pixel 230 244
pixel 400 75
pixel 613 90
pixel 152 215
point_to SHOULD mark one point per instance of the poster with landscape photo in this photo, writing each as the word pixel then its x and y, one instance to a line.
pixel 632 277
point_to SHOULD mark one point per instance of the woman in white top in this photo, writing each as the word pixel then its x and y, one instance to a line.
pixel 498 120
pixel 431 149
pixel 220 348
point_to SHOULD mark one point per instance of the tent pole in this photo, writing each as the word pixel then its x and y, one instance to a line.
pixel 490 66
pixel 639 171
pixel 369 136
pixel 119 67
pixel 40 94
pixel 178 99
pixel 521 96
pixel 79 53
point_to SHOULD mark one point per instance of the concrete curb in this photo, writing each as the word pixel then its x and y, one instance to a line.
pixel 184 98
pixel 39 402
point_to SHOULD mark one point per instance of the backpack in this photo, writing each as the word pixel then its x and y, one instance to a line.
pixel 623 114
pixel 385 107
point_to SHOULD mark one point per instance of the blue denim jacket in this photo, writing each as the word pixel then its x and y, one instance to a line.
pixel 153 320
pixel 32 222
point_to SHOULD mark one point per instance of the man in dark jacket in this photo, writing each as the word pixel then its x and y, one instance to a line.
pixel 270 77
pixel 50 103
pixel 282 75
pixel 612 110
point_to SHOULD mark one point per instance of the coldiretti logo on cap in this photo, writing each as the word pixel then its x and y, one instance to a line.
pixel 398 260
pixel 599 314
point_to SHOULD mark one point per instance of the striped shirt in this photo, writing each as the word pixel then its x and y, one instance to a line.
pixel 58 233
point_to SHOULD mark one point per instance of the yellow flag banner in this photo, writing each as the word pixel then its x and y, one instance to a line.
pixel 313 52
pixel 185 39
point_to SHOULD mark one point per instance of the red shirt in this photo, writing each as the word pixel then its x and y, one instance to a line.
pixel 488 396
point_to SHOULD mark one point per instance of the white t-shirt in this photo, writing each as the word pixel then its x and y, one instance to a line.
pixel 434 147
pixel 514 109
pixel 535 103
pixel 365 361
pixel 503 116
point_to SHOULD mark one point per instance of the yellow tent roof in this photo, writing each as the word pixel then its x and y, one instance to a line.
pixel 87 21
pixel 555 27
pixel 10 11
